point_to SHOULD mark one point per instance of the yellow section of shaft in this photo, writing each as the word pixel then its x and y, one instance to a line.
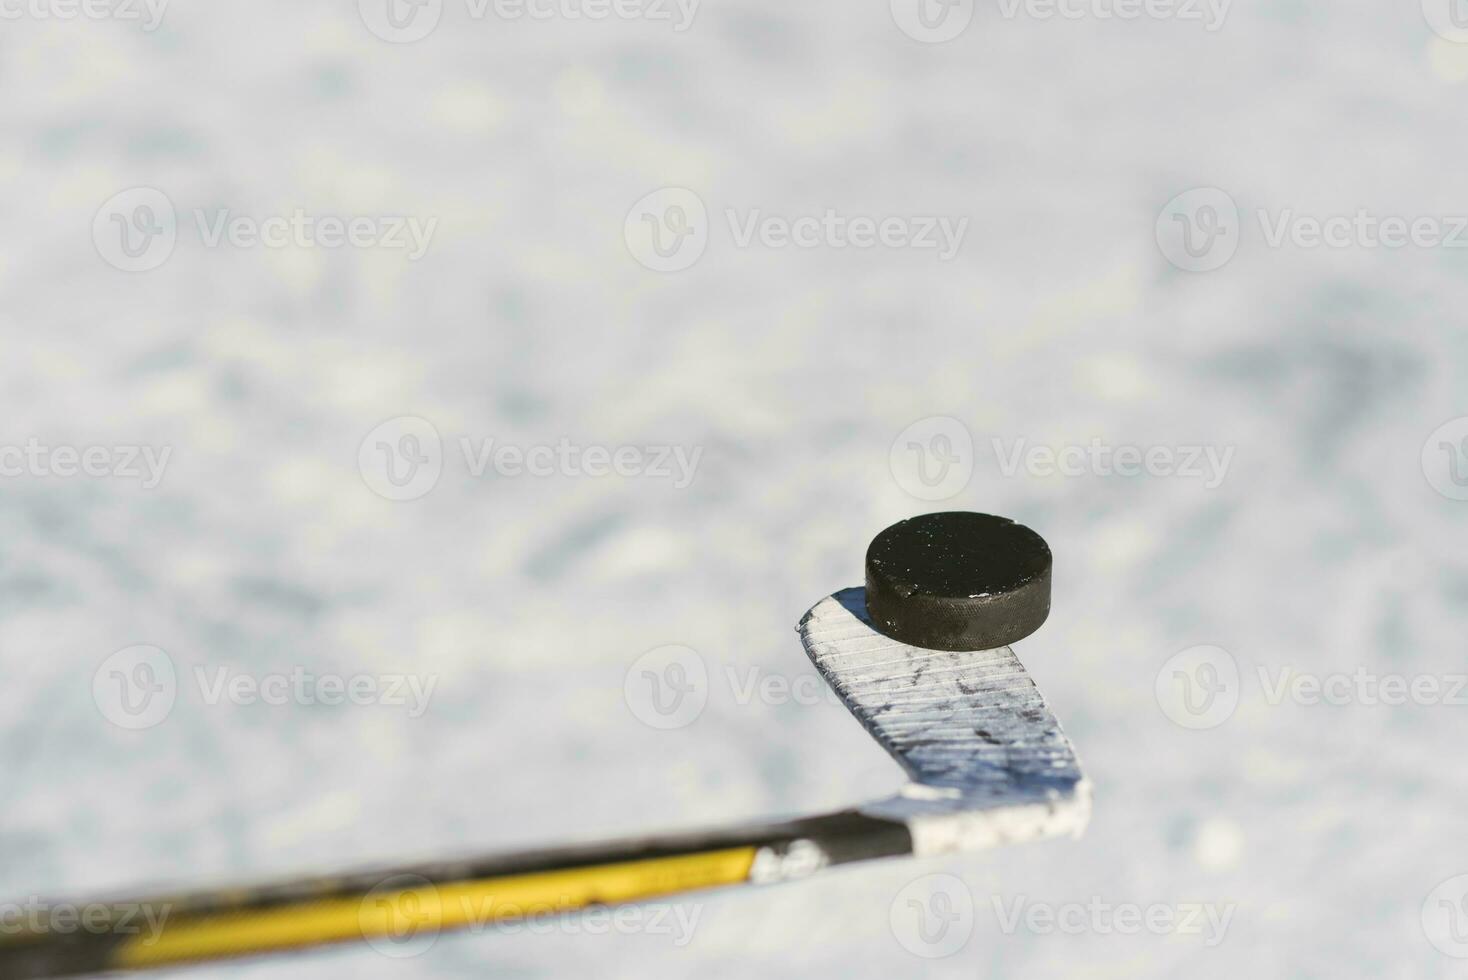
pixel 405 909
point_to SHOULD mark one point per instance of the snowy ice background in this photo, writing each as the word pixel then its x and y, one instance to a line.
pixel 1325 549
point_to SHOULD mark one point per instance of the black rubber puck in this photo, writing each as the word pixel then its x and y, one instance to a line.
pixel 958 581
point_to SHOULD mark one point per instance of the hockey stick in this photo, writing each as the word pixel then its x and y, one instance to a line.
pixel 988 764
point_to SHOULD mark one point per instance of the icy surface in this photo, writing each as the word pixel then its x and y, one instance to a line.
pixel 528 599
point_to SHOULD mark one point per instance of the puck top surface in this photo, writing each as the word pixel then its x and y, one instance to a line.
pixel 958 581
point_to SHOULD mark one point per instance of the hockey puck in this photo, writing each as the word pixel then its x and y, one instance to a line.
pixel 958 581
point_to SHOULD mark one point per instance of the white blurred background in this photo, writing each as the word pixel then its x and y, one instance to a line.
pixel 800 378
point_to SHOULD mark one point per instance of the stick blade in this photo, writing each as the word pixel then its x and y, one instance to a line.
pixel 988 761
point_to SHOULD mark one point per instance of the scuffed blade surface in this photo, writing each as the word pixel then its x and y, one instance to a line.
pixel 988 761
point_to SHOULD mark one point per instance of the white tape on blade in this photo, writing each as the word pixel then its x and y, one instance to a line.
pixel 988 761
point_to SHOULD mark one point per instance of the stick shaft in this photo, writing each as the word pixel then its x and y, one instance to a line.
pixel 395 907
